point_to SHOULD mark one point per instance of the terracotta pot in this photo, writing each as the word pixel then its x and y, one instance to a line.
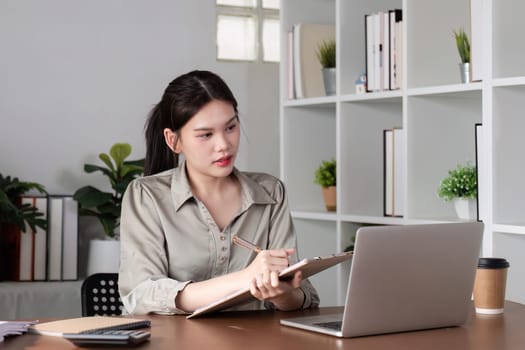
pixel 330 199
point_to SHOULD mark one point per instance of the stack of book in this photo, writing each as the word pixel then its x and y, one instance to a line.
pixel 43 255
pixel 384 50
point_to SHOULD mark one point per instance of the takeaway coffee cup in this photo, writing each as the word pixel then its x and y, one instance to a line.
pixel 489 285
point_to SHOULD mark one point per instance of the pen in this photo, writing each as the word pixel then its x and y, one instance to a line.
pixel 245 244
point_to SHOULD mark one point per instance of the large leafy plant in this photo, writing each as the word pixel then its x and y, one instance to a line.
pixel 105 206
pixel 12 211
pixel 461 182
pixel 325 174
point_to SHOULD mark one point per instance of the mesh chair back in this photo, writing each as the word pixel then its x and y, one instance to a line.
pixel 100 295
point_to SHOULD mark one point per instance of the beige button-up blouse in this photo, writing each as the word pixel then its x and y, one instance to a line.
pixel 169 239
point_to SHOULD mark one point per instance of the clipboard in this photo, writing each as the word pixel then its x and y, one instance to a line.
pixel 308 267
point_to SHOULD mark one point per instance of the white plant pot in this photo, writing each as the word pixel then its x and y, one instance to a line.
pixel 466 209
pixel 464 71
pixel 104 256
pixel 329 80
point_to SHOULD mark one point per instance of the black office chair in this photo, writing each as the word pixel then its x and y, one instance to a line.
pixel 100 295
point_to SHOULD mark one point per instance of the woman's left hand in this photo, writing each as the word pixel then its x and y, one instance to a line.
pixel 267 286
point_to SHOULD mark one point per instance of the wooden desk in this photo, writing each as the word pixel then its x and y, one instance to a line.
pixel 254 330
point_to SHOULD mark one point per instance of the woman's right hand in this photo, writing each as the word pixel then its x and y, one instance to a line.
pixel 268 261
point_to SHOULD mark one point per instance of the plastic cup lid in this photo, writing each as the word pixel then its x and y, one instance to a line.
pixel 493 263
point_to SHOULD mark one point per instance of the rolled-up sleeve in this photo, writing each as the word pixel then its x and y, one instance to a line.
pixel 143 283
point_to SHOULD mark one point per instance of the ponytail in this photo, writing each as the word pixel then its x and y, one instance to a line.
pixel 159 156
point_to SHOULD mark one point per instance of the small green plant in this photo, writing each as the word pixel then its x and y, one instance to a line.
pixel 463 45
pixel 325 175
pixel 326 53
pixel 12 211
pixel 106 205
pixel 461 182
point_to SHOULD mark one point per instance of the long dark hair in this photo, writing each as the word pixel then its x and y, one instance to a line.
pixel 182 99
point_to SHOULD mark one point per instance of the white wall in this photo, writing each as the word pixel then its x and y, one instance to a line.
pixel 77 76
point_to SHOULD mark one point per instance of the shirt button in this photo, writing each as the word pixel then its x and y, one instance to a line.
pixel 224 249
pixel 223 238
pixel 222 259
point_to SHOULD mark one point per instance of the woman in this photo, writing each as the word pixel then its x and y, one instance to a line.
pixel 178 221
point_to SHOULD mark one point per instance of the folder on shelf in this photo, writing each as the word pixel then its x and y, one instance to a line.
pixel 308 267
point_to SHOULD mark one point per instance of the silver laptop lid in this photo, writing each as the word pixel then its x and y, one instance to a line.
pixel 411 277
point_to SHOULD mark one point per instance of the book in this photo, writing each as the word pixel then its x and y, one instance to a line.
pixel 384 66
pixel 480 171
pixel 369 51
pixel 308 267
pixel 388 172
pixel 40 243
pixel 394 172
pixel 394 33
pixel 307 68
pixel 70 239
pixel 87 325
pixel 399 172
pixel 54 253
pixel 9 252
pixel 376 52
pixel 26 248
pixel 290 89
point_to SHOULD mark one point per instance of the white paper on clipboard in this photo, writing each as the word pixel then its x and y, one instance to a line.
pixel 308 267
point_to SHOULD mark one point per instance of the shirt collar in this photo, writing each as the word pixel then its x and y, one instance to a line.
pixel 252 192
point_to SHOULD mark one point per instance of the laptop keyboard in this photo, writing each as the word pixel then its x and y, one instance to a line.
pixel 335 325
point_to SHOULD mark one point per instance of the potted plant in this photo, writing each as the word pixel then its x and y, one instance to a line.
pixel 105 206
pixel 463 46
pixel 461 186
pixel 326 55
pixel 325 176
pixel 14 215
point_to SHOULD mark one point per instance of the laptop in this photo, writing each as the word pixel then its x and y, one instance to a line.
pixel 405 278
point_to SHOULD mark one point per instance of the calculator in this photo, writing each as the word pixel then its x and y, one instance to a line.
pixel 114 337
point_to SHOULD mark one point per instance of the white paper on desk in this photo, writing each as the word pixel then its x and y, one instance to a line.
pixel 308 267
pixel 8 328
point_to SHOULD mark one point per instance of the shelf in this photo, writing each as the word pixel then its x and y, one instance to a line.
pixel 444 89
pixel 313 215
pixel 518 229
pixel 432 57
pixel 312 101
pixel 507 38
pixel 515 81
pixel 508 145
pixel 371 96
pixel 437 112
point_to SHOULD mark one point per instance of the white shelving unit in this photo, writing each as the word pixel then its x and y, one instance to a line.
pixel 438 114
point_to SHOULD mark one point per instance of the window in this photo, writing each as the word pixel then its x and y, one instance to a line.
pixel 248 30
